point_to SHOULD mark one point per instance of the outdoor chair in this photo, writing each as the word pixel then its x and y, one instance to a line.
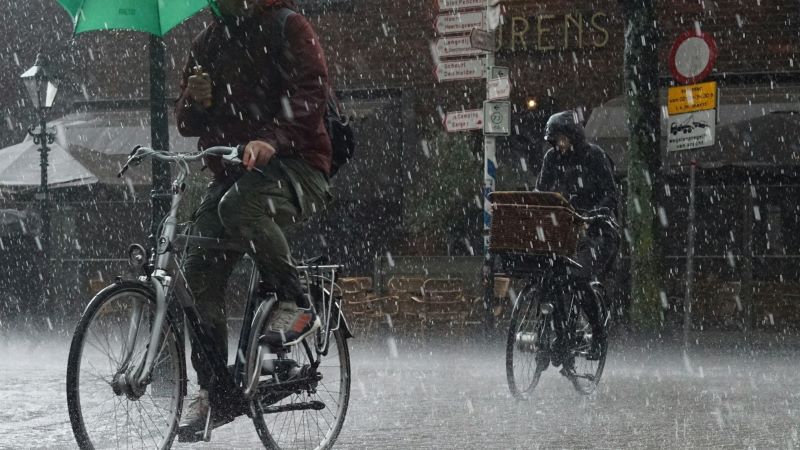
pixel 443 303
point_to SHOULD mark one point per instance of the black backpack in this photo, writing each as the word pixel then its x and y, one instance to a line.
pixel 337 123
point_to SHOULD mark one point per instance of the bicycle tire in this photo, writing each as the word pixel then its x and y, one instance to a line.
pixel 526 304
pixel 169 368
pixel 585 376
pixel 271 433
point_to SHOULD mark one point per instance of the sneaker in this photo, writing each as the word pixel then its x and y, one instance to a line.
pixel 194 418
pixel 197 414
pixel 289 325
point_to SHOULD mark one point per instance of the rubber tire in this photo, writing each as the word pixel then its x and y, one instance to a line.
pixel 261 426
pixel 524 299
pixel 75 353
pixel 603 351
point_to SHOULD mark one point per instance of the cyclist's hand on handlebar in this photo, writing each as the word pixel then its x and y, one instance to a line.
pixel 257 153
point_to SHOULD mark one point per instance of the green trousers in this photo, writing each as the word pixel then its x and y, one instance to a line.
pixel 253 208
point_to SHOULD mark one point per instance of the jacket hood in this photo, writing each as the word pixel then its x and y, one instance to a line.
pixel 566 123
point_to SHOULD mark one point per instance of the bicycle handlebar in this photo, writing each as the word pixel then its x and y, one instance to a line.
pixel 229 155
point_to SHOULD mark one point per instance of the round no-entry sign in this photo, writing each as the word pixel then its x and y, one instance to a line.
pixel 692 57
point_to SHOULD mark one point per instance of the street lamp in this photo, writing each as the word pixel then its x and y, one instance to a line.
pixel 42 90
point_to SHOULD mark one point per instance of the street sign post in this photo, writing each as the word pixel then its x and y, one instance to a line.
pixel 449 5
pixel 691 98
pixel 496 118
pixel 482 39
pixel 498 88
pixel 454 46
pixel 692 56
pixel 469 69
pixel 471 119
pixel 691 131
pixel 459 22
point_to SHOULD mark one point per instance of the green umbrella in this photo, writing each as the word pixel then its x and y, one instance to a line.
pixel 156 17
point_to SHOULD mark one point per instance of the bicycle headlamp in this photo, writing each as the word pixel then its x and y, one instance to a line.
pixel 137 256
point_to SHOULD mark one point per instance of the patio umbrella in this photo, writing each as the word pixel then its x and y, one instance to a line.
pixel 19 167
pixel 155 17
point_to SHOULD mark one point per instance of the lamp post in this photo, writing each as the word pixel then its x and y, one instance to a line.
pixel 42 90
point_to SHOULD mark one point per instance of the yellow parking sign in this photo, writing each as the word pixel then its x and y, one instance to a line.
pixel 693 97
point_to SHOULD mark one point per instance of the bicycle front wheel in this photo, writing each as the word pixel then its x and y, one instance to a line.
pixel 112 336
pixel 280 426
pixel 526 346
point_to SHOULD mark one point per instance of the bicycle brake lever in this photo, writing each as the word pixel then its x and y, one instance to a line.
pixel 235 157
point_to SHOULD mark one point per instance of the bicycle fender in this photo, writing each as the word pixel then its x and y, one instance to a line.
pixel 345 327
pixel 120 283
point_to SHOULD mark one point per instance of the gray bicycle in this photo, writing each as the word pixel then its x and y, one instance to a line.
pixel 126 373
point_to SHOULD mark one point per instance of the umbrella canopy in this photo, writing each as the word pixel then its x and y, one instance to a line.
pixel 762 141
pixel 156 17
pixel 19 167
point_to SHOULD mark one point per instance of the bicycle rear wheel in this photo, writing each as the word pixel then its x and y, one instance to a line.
pixel 309 428
pixel 585 372
pixel 117 323
pixel 526 346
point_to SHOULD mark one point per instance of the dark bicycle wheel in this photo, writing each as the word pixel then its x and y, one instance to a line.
pixel 527 344
pixel 309 428
pixel 583 369
pixel 111 337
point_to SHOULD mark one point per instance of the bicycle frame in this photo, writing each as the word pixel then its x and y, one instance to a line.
pixel 168 280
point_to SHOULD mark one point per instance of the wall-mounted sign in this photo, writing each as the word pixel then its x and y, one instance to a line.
pixel 692 57
pixel 468 69
pixel 451 46
pixel 692 130
pixel 497 118
pixel 459 22
pixel 691 98
pixel 464 120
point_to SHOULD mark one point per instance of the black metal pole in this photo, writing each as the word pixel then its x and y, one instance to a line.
pixel 44 199
pixel 159 133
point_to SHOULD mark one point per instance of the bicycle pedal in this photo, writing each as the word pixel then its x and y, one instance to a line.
pixel 190 435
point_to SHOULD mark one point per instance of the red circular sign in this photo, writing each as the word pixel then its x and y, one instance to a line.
pixel 692 57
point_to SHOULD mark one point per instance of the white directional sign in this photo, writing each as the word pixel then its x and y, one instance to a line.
pixel 468 69
pixel 464 120
pixel 445 5
pixel 455 46
pixel 692 130
pixel 498 88
pixel 464 22
pixel 497 118
pixel 482 39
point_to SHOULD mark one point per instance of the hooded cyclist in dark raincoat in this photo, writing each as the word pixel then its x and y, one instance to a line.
pixel 583 174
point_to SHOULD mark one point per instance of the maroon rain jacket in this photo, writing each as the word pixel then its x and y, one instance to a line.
pixel 255 99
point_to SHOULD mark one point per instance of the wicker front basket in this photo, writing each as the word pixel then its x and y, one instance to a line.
pixel 533 229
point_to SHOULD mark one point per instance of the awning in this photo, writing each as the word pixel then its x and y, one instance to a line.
pixel 757 126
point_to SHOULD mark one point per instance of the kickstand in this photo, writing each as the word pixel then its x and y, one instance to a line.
pixel 207 429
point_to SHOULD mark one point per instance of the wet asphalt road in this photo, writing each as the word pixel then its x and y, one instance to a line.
pixel 453 395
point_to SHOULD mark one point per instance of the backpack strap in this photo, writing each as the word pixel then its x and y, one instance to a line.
pixel 278 35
